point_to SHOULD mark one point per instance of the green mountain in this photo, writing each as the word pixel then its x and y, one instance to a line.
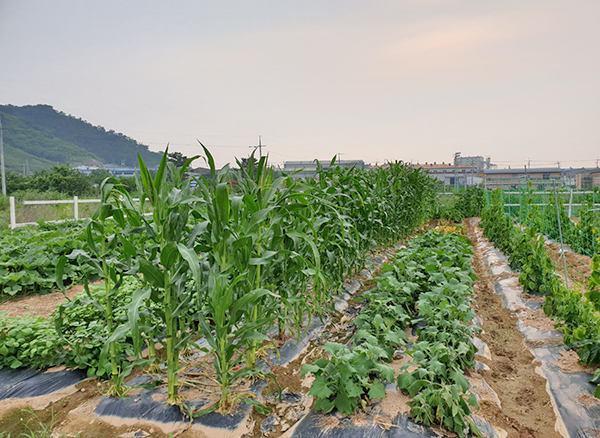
pixel 38 137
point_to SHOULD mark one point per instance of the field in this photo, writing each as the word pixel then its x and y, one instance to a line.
pixel 258 305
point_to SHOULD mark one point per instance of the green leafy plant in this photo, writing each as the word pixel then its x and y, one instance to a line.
pixel 29 342
pixel 29 256
pixel 593 294
pixel 446 405
pixel 347 380
pixel 595 381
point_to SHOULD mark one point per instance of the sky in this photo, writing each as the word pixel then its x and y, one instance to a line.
pixel 410 80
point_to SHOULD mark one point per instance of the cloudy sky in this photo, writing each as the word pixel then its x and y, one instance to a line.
pixel 374 80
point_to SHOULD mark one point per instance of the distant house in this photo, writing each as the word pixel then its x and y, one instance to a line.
pixel 587 179
pixel 519 178
pixel 450 175
pixel 114 170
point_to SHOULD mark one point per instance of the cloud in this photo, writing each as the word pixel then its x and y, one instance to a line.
pixel 454 48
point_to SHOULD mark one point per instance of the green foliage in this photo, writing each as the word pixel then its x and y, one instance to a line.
pixel 593 294
pixel 526 249
pixel 177 158
pixel 28 342
pixel 444 348
pixel 576 312
pixel 384 319
pixel 29 256
pixel 62 179
pixel 430 281
pixel 168 261
pixel 577 319
pixel 98 175
pixel 446 405
pixel 37 149
pixel 82 325
pixel 74 335
pixel 232 260
pixel 586 238
pixel 348 379
pixel 538 274
pixel 583 236
pixel 497 226
pixel 465 203
pixel 56 183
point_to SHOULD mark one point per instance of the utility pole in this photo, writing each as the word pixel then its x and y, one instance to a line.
pixel 529 163
pixel 259 147
pixel 2 161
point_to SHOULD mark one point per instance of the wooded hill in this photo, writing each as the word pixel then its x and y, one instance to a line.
pixel 38 137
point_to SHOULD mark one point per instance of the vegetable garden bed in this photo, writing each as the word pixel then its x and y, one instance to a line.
pixel 522 408
pixel 195 300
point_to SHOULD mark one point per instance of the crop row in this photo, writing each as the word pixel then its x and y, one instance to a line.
pixel 583 236
pixel 28 257
pixel 576 312
pixel 426 287
pixel 227 259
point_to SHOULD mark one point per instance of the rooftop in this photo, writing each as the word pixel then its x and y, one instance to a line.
pixel 523 171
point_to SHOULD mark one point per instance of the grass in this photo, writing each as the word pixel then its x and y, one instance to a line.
pixel 27 423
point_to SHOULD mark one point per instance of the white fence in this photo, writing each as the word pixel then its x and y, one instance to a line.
pixel 569 204
pixel 75 201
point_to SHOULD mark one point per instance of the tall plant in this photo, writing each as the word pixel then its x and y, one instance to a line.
pixel 100 253
pixel 169 263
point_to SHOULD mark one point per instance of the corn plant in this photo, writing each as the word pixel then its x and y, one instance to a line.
pixel 169 263
pixel 101 256
pixel 226 330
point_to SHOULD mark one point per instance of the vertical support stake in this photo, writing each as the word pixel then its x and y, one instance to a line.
pixel 75 208
pixel 13 215
pixel 562 250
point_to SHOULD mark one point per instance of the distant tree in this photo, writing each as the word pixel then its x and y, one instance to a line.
pixel 177 158
pixel 128 183
pixel 63 179
pixel 16 181
pixel 98 175
pixel 244 162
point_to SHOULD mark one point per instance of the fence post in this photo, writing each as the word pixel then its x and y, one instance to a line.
pixel 75 208
pixel 570 203
pixel 13 215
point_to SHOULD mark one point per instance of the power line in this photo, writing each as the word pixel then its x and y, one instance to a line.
pixel 259 147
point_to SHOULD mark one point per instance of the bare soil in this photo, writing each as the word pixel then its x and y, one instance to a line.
pixel 578 265
pixel 526 410
pixel 569 363
pixel 39 305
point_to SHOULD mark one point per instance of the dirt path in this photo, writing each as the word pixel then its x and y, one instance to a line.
pixel 38 305
pixel 526 410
